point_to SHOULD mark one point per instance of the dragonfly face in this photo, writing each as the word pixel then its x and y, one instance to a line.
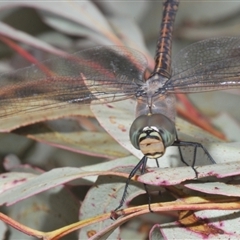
pixel 152 134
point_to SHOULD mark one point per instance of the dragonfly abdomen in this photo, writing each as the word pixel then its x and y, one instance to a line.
pixel 164 44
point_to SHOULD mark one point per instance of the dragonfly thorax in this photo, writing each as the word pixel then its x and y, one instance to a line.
pixel 152 98
pixel 154 85
pixel 152 134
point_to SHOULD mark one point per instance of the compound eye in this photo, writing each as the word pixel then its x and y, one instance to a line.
pixel 136 130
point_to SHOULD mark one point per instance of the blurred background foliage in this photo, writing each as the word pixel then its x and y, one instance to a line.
pixel 136 23
pixel 195 21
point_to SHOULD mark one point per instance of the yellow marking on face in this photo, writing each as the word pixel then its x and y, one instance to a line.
pixel 152 148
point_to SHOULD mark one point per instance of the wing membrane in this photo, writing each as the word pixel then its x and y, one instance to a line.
pixel 208 65
pixel 114 73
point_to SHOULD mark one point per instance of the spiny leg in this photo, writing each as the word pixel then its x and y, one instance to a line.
pixel 157 162
pixel 177 143
pixel 196 145
pixel 180 151
pixel 145 185
pixel 142 163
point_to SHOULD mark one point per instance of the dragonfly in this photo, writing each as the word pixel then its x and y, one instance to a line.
pixel 115 73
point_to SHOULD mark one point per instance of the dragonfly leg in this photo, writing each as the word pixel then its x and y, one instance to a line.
pixel 180 151
pixel 149 198
pixel 142 163
pixel 196 145
pixel 145 186
pixel 179 144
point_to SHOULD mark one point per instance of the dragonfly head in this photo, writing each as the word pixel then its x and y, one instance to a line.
pixel 152 134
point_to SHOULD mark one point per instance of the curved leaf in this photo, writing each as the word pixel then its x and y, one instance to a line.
pixel 23 37
pixel 163 176
pixel 30 184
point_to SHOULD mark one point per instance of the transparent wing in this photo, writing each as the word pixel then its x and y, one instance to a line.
pixel 113 73
pixel 208 65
